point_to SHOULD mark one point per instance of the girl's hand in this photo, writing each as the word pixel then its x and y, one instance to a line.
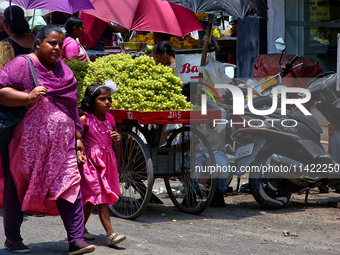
pixel 115 137
pixel 36 93
pixel 81 159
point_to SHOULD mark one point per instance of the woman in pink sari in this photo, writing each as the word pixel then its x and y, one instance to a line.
pixel 72 49
pixel 42 151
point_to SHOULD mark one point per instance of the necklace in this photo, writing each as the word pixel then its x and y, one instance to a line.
pixel 106 123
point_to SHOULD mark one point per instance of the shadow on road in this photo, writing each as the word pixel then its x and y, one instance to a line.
pixel 239 206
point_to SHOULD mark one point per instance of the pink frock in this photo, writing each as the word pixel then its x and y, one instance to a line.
pixel 99 182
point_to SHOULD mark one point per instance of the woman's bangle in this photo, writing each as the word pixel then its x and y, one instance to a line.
pixel 79 154
pixel 28 97
pixel 80 140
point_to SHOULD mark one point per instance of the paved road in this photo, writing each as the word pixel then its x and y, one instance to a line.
pixel 240 228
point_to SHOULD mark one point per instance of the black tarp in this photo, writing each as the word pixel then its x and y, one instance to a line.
pixel 237 8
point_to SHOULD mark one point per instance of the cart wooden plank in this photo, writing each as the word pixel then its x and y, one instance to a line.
pixel 165 117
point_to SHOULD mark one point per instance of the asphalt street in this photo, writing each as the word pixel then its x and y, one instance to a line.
pixel 242 227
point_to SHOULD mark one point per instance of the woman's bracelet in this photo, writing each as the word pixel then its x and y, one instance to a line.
pixel 28 97
pixel 79 154
pixel 80 139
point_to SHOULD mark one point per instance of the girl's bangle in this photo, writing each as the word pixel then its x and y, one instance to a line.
pixel 28 97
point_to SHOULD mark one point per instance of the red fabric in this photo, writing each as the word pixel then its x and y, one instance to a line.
pixel 148 15
pixel 268 65
pixel 94 27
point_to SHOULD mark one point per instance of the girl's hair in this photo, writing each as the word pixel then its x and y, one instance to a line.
pixel 44 32
pixel 17 23
pixel 72 22
pixel 163 47
pixel 91 92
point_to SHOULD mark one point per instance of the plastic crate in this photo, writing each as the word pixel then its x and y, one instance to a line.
pixel 166 160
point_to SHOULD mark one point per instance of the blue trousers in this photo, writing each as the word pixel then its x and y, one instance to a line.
pixel 221 160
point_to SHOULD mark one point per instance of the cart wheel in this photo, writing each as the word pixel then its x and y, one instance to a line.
pixel 135 176
pixel 139 130
pixel 190 192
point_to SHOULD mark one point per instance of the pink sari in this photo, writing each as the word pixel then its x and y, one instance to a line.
pixel 42 150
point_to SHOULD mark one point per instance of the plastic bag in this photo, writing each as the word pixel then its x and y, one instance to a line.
pixel 214 73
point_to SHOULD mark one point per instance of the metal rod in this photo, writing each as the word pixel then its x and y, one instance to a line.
pixel 207 37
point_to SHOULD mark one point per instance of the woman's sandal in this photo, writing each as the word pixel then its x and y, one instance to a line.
pixel 115 239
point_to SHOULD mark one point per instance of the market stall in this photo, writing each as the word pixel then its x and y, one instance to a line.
pixel 148 96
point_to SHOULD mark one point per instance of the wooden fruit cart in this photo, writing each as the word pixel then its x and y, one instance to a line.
pixel 142 157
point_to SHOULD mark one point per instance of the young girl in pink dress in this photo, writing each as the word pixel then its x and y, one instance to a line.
pixel 96 159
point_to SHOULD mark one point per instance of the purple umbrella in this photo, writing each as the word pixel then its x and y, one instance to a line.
pixel 67 6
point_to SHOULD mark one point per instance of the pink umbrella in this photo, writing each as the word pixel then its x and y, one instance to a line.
pixel 68 6
pixel 147 15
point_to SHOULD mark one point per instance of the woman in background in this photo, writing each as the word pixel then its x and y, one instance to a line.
pixel 20 40
pixel 72 49
pixel 164 54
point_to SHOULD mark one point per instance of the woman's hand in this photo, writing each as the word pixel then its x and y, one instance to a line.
pixel 115 137
pixel 36 93
pixel 81 158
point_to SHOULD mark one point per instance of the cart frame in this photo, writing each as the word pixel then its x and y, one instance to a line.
pixel 140 159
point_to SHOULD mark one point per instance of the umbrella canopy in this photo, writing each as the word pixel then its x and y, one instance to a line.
pixel 237 8
pixel 28 13
pixel 147 15
pixel 67 6
pixel 94 27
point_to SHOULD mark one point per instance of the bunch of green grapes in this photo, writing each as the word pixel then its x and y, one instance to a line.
pixel 141 85
pixel 79 70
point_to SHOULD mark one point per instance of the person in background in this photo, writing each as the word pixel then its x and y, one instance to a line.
pixel 216 139
pixel 43 166
pixel 38 22
pixel 233 28
pixel 57 18
pixel 72 49
pixel 20 40
pixel 110 37
pixel 159 37
pixel 233 33
pixel 3 33
pixel 164 54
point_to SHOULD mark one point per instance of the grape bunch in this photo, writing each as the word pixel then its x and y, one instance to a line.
pixel 80 70
pixel 141 85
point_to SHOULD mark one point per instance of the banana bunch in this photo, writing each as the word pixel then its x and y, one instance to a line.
pixel 202 16
pixel 144 38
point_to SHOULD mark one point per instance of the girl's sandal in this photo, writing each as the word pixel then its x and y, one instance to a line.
pixel 115 239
